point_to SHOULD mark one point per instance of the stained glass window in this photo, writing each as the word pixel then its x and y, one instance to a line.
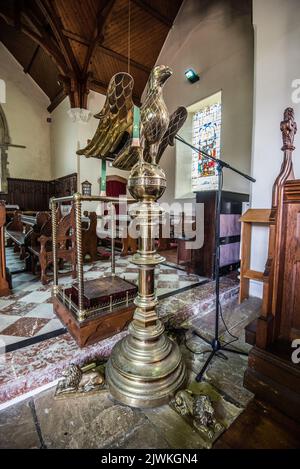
pixel 206 135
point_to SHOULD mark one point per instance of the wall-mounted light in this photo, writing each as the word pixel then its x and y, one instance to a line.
pixel 191 75
pixel 86 188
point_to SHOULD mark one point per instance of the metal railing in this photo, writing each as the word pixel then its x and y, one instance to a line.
pixel 80 312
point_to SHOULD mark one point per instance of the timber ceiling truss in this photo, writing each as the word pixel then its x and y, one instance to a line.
pixel 87 42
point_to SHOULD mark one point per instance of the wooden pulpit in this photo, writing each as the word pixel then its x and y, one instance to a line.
pixel 271 374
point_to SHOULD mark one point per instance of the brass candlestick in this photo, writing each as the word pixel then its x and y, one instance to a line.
pixel 145 368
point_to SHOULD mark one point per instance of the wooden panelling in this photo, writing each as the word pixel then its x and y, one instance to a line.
pixel 113 66
pixel 78 16
pixel 144 28
pixel 231 204
pixel 66 185
pixel 167 10
pixel 28 194
pixel 291 297
pixel 31 194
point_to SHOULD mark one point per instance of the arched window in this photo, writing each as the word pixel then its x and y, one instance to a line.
pixel 206 135
pixel 203 129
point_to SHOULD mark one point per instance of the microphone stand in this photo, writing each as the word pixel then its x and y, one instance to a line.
pixel 216 343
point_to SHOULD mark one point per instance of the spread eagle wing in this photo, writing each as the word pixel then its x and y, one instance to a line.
pixel 115 120
pixel 177 119
pixel 127 157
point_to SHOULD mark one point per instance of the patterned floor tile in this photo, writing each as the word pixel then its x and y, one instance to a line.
pixel 52 325
pixel 32 300
pixel 44 311
pixel 183 284
pixel 168 277
pixel 31 286
pixel 18 308
pixel 37 297
pixel 25 327
pixel 91 275
pixel 167 284
pixel 164 291
pixel 7 321
pixel 25 277
pixel 5 303
pixel 130 276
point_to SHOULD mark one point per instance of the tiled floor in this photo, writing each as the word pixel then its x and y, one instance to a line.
pixel 99 422
pixel 28 312
pixel 37 364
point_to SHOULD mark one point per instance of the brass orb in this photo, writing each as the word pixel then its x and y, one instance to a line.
pixel 147 181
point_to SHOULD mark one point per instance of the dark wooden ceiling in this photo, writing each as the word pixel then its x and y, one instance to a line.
pixel 72 46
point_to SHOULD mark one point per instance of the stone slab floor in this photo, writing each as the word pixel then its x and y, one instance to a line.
pixel 97 421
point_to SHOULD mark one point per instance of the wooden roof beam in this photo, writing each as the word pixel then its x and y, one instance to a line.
pixel 152 11
pixel 56 26
pixel 34 23
pixel 124 59
pixel 48 46
pixel 56 100
pixel 102 16
pixel 29 65
pixel 99 86
pixel 18 7
pixel 76 37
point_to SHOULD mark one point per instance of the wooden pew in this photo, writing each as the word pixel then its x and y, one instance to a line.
pixel 19 229
pixel 127 244
pixel 15 233
pixel 89 236
pixel 41 246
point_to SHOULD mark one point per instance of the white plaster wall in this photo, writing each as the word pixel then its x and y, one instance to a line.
pixel 63 141
pixel 67 136
pixel 26 114
pixel 277 39
pixel 218 44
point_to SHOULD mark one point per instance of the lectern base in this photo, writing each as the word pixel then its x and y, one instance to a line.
pixel 146 373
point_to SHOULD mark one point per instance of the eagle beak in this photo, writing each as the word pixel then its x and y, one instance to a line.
pixel 167 72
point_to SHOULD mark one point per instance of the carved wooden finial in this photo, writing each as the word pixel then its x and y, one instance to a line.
pixel 288 129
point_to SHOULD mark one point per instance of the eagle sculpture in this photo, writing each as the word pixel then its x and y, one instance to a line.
pixel 113 137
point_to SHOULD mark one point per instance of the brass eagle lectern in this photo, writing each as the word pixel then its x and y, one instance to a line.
pixel 145 368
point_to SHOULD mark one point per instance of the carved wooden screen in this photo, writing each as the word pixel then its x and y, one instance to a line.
pixel 290 277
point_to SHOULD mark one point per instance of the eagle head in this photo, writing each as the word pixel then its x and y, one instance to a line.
pixel 159 75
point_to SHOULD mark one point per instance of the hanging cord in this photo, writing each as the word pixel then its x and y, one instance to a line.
pixel 129 36
pixel 234 337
